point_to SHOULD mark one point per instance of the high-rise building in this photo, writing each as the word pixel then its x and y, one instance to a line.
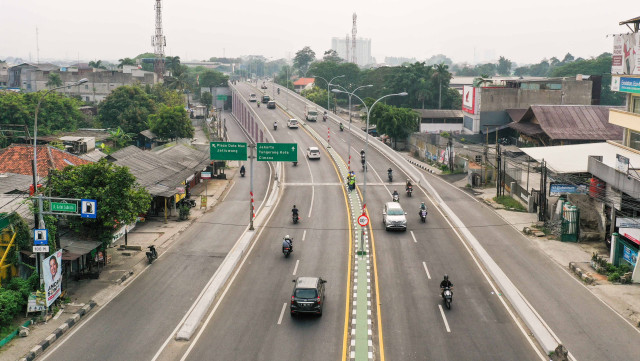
pixel 363 49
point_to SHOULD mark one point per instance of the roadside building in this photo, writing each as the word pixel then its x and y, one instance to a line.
pixel 18 159
pixel 440 120
pixel 546 125
pixel 303 83
pixel 486 106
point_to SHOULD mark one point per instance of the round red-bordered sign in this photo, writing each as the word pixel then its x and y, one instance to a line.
pixel 363 220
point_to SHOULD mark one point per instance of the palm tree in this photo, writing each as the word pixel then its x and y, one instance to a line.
pixel 97 64
pixel 441 73
pixel 119 137
pixel 126 61
pixel 54 80
pixel 172 63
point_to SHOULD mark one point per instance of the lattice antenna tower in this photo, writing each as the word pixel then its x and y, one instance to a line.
pixel 354 30
pixel 346 47
pixel 158 41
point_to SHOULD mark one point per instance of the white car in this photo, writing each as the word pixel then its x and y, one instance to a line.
pixel 253 98
pixel 292 123
pixel 313 153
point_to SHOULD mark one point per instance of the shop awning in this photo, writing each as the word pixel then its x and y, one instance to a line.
pixel 73 249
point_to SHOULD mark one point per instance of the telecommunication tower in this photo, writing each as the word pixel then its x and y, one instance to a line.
pixel 354 58
pixel 346 47
pixel 158 41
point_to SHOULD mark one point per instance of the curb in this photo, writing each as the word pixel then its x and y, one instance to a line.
pixel 424 167
pixel 584 276
pixel 49 340
pixel 124 277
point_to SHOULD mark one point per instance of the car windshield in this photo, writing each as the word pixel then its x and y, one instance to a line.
pixel 395 212
pixel 314 151
pixel 305 293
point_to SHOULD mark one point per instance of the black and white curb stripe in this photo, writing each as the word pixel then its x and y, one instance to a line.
pixel 423 166
pixel 42 346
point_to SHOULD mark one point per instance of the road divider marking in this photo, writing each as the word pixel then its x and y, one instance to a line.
pixel 304 235
pixel 414 237
pixel 284 307
pixel 426 269
pixel 444 318
pixel 295 269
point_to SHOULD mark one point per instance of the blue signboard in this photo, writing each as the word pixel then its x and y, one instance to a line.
pixel 630 85
pixel 557 189
pixel 630 255
pixel 40 237
pixel 88 208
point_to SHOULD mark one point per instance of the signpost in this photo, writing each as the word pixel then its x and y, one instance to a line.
pixel 228 151
pixel 64 207
pixel 277 152
pixel 222 97
pixel 363 220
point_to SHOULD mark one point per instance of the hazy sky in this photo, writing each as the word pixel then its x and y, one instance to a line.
pixel 523 31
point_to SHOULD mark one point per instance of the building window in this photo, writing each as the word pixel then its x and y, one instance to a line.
pixel 86 87
pixel 635 105
pixel 634 140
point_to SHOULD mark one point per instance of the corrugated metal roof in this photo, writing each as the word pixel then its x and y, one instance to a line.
pixel 439 113
pixel 575 122
pixel 526 128
pixel 516 114
pixel 15 183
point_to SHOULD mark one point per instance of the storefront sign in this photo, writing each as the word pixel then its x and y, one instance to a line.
pixel 626 222
pixel 630 255
pixel 557 189
pixel 632 234
pixel 625 84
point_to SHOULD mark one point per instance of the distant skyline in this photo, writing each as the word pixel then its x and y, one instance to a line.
pixel 523 32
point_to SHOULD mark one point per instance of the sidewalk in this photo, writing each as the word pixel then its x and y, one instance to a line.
pixel 624 299
pixel 124 264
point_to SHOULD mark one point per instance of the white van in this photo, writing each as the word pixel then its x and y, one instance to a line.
pixel 313 153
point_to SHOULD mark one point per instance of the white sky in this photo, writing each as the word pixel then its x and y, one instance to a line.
pixel 523 31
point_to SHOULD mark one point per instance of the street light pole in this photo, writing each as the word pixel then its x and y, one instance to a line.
pixel 40 223
pixel 366 144
pixel 349 142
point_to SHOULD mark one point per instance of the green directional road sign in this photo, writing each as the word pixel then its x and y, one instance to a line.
pixel 277 152
pixel 228 151
pixel 63 207
pixel 222 97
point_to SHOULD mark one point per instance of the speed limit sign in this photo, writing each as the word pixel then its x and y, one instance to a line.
pixel 363 220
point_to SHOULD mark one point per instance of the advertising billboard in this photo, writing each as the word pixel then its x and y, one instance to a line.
pixel 625 84
pixel 469 99
pixel 626 54
pixel 52 273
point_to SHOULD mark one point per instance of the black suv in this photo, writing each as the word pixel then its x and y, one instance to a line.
pixel 307 296
pixel 265 99
pixel 271 104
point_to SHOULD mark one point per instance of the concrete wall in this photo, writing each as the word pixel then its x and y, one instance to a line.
pixel 440 127
pixel 498 99
pixel 613 177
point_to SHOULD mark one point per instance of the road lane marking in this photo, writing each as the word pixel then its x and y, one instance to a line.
pixel 426 269
pixel 381 181
pixel 313 189
pixel 304 235
pixel 295 269
pixel 284 307
pixel 414 238
pixel 444 318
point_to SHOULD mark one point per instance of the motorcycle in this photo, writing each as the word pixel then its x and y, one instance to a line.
pixel 275 126
pixel 423 215
pixel 324 118
pixel 447 296
pixel 258 104
pixel 152 254
pixel 295 164
pixel 396 198
pixel 287 249
pixel 295 218
pixel 278 91
pixel 341 127
pixel 409 190
pixel 390 175
pixel 241 172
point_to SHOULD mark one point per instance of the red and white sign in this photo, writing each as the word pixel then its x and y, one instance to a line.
pixel 363 220
pixel 469 99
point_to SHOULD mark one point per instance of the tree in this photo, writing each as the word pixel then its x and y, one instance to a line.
pixel 302 60
pixel 127 107
pixel 172 63
pixel 442 75
pixel 120 138
pixel 504 66
pixel 207 100
pixel 171 123
pixel 160 93
pixel 395 122
pixel 120 199
pixel 318 95
pixel 179 79
pixel 125 61
pixel 568 58
pixel 332 55
pixel 54 80
pixel 212 79
pixel 96 64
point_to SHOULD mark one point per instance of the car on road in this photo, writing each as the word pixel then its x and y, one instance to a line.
pixel 394 217
pixel 307 296
pixel 313 153
pixel 265 99
pixel 263 86
pixel 271 104
pixel 292 123
pixel 253 97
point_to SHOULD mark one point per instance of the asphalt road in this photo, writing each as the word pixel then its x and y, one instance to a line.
pixel 411 265
pixel 252 321
pixel 134 324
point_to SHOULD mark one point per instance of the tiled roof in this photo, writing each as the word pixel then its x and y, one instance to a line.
pixel 17 158
pixel 439 113
pixel 304 81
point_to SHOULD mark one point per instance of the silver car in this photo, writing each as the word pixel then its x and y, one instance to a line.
pixel 393 216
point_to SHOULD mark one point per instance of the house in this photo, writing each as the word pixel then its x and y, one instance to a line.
pixel 547 125
pixel 303 83
pixel 18 159
pixel 440 120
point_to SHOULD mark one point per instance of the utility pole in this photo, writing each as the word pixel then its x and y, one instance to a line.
pixel 251 208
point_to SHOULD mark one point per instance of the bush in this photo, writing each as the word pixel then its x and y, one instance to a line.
pixel 13 297
pixel 613 277
pixel 509 203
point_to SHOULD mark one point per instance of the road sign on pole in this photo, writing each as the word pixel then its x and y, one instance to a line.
pixel 363 220
pixel 228 151
pixel 277 152
pixel 222 97
pixel 88 208
pixel 64 207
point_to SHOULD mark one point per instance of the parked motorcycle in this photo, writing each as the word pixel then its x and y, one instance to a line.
pixel 423 215
pixel 447 296
pixel 409 190
pixel 152 254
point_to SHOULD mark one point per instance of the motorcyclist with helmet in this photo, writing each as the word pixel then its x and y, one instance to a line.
pixel 445 283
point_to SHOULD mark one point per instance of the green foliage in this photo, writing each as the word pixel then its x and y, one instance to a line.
pixel 23 238
pixel 54 80
pixel 207 100
pixel 318 96
pixel 13 298
pixel 395 122
pixel 159 93
pixel 504 66
pixel 96 64
pixel 120 138
pixel 120 199
pixel 171 123
pixel 126 61
pixel 332 56
pixel 303 58
pixel 184 212
pixel 212 78
pixel 127 107
pixel 509 203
